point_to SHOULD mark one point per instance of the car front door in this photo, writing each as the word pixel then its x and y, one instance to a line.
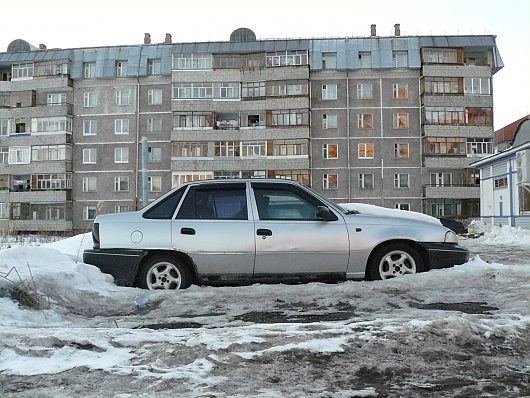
pixel 291 238
pixel 213 227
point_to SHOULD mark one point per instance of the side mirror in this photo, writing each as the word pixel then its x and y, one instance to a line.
pixel 325 214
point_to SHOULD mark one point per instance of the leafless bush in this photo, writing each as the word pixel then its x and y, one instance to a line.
pixel 24 290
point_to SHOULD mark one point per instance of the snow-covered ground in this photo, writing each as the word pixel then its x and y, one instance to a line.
pixel 463 331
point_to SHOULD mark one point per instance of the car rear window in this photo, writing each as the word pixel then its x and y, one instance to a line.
pixel 165 208
pixel 215 203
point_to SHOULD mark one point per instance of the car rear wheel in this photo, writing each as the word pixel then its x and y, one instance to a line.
pixel 164 272
pixel 394 260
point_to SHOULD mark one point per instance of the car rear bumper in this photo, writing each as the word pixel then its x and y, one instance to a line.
pixel 443 255
pixel 122 264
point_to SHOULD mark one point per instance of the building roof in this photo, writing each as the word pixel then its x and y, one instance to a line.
pixel 507 133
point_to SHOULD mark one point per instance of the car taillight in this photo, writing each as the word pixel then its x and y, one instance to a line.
pixel 95 235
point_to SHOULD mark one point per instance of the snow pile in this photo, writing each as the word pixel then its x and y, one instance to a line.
pixel 503 235
pixel 364 208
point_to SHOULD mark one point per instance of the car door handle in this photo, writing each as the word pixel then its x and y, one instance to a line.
pixel 264 232
pixel 187 231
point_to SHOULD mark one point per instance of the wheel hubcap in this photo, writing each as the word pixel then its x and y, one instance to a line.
pixel 396 263
pixel 163 275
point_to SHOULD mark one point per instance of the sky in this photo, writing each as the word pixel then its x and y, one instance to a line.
pixel 73 23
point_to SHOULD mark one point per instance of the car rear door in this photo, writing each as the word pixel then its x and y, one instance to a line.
pixel 290 239
pixel 212 225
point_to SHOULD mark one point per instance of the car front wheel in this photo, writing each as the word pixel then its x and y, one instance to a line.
pixel 393 260
pixel 164 272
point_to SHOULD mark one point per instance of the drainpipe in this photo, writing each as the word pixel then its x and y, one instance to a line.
pixel 510 193
pixel 137 143
pixel 382 142
pixel 348 133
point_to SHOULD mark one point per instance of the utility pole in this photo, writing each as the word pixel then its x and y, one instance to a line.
pixel 145 191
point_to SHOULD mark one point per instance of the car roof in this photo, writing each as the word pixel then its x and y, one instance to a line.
pixel 242 180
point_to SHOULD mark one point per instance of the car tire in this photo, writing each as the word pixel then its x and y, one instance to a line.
pixel 395 259
pixel 164 272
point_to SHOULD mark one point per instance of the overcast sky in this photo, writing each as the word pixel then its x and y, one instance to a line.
pixel 73 23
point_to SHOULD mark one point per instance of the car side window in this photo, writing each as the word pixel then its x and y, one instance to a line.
pixel 283 204
pixel 215 203
pixel 165 208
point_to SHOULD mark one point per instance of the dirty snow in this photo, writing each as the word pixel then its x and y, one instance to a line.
pixel 462 331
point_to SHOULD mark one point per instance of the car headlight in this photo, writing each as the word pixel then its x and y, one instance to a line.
pixel 450 237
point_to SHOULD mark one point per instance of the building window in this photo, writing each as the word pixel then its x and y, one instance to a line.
pixel 253 90
pixel 330 151
pixel 399 59
pixel 286 117
pixel 121 184
pixel 443 85
pixel 476 86
pixel 401 151
pixel 442 56
pixel 183 177
pixel 366 181
pixel 22 71
pixel 122 97
pixel 153 67
pixel 478 116
pixel 193 120
pixel 56 99
pixel 154 97
pixel 89 70
pixel 365 60
pixel 4 211
pixel 285 88
pixel 121 126
pixel 445 146
pixel 90 99
pixel 40 153
pixel 253 149
pixel 90 127
pixel 329 60
pixel 365 121
pixel 121 68
pixel 477 146
pixel 154 125
pixel 193 90
pixel 329 121
pixel 4 155
pixel 121 209
pixel 329 181
pixel 401 180
pixel 192 61
pixel 89 156
pixel 89 212
pixel 400 90
pixel 121 155
pixel 365 91
pixel 90 184
pixel 51 124
pixel 441 179
pixel 501 182
pixel 154 154
pixel 19 154
pixel 365 150
pixel 286 58
pixel 403 206
pixel 401 120
pixel 445 115
pixel 329 91
pixel 5 126
pixel 289 148
pixel 227 148
pixel 155 183
pixel 189 149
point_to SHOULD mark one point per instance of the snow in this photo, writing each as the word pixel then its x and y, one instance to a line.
pixel 364 208
pixel 500 235
pixel 268 340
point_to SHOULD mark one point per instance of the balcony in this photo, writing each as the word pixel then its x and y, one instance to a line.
pixel 35 196
pixel 35 225
pixel 454 191
pixel 241 163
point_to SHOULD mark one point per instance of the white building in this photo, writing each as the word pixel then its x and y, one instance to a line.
pixel 505 182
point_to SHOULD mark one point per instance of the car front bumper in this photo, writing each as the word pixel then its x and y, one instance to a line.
pixel 443 255
pixel 122 264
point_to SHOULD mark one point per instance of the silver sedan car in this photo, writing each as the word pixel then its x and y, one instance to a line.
pixel 259 230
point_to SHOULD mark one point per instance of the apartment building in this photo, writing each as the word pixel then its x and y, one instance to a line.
pixel 393 121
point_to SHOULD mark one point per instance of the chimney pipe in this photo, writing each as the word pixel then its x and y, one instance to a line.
pixel 168 38
pixel 42 47
pixel 147 38
pixel 372 30
pixel 397 30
